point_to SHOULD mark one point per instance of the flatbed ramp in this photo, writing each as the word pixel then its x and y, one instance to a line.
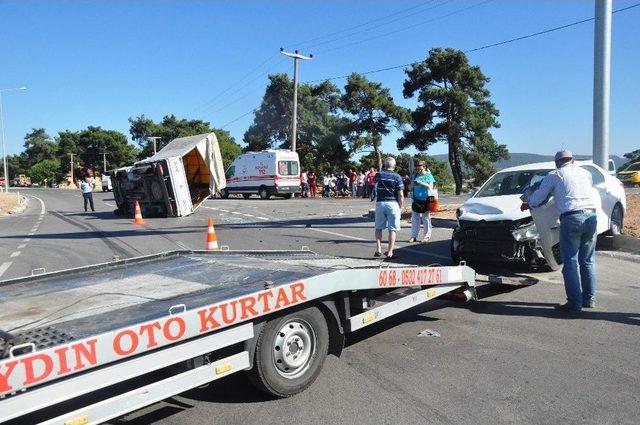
pixel 70 333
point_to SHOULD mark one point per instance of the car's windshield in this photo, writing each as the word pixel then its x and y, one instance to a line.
pixel 511 182
pixel 633 167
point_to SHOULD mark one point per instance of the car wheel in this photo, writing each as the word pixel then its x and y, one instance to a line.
pixel 617 221
pixel 224 193
pixel 264 193
pixel 287 196
pixel 290 351
pixel 246 195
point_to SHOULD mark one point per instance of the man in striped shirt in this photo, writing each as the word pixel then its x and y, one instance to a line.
pixel 389 200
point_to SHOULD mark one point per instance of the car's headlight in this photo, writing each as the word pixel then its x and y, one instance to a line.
pixel 526 233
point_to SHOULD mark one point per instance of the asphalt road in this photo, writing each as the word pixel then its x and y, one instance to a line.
pixel 508 358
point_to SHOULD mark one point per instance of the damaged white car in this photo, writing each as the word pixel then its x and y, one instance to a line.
pixel 492 228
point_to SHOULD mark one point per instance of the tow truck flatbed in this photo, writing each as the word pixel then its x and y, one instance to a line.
pixel 75 332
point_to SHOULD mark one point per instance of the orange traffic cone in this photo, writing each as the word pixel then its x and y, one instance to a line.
pixel 138 215
pixel 212 239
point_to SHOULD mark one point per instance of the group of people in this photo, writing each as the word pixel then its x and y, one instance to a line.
pixel 575 202
pixel 389 191
pixel 350 183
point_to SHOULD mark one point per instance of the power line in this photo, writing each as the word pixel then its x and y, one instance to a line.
pixel 363 24
pixel 409 27
pixel 476 49
pixel 501 43
pixel 351 34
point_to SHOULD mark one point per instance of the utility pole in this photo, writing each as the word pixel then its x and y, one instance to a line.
pixel 601 83
pixel 153 139
pixel 4 149
pixel 294 124
pixel 72 182
pixel 104 162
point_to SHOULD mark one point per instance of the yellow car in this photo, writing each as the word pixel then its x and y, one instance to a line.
pixel 631 175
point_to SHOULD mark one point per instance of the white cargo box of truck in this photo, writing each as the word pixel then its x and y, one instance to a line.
pixel 173 182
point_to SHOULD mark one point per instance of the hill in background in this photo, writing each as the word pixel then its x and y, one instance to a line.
pixel 528 158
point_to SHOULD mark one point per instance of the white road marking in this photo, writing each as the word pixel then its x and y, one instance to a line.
pixel 42 208
pixel 30 234
pixel 26 239
pixel 236 212
pixel 224 210
pixel 34 228
pixel 15 254
pixel 4 267
pixel 21 246
pixel 249 215
pixel 414 250
pixel 263 218
pixel 108 203
pixel 355 238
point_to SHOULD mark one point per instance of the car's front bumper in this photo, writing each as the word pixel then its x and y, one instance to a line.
pixel 492 242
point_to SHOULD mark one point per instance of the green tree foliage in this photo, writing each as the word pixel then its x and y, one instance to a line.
pixel 453 107
pixel 171 128
pixel 371 113
pixel 93 141
pixel 38 146
pixel 16 164
pixel 228 147
pixel 45 169
pixel 318 136
pixel 633 156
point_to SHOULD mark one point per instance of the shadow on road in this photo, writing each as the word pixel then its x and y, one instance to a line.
pixel 546 310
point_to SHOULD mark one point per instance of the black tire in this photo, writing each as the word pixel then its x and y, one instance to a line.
pixel 301 331
pixel 617 221
pixel 224 193
pixel 246 195
pixel 264 193
pixel 287 196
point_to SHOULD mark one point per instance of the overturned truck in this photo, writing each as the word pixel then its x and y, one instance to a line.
pixel 174 181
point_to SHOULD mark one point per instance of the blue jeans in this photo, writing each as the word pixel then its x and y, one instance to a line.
pixel 578 234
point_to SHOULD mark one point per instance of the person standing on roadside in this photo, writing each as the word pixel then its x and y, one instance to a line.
pixel 406 180
pixel 371 182
pixel 353 182
pixel 313 181
pixel 304 182
pixel 423 182
pixel 575 201
pixel 361 190
pixel 87 186
pixel 389 199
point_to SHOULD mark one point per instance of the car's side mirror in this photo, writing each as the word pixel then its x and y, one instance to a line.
pixel 472 192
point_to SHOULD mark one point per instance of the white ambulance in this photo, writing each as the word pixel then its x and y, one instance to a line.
pixel 266 173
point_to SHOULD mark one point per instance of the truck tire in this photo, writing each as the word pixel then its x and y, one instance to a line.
pixel 246 195
pixel 290 352
pixel 287 196
pixel 264 193
pixel 224 193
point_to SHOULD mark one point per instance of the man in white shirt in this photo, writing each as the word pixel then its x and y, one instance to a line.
pixel 87 186
pixel 575 200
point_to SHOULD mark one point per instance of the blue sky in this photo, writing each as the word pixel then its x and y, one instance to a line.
pixel 101 62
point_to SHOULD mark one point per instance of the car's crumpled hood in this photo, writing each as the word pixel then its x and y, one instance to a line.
pixel 493 208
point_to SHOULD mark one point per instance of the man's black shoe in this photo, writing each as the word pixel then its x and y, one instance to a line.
pixel 567 308
pixel 589 304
